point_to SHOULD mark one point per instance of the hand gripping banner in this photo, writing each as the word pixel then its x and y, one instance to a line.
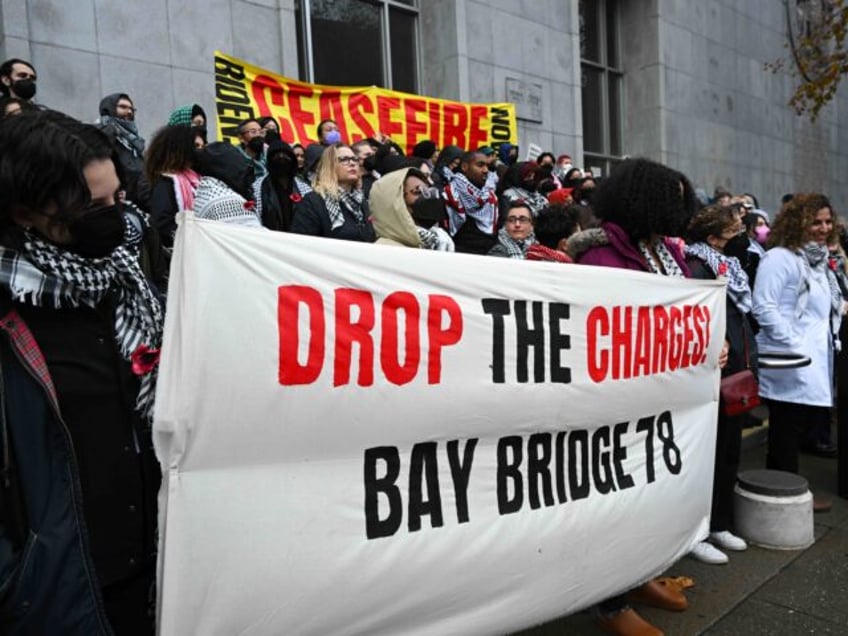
pixel 361 439
pixel 243 90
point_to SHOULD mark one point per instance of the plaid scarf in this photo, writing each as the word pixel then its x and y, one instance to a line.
pixel 44 275
pixel 467 200
pixel 738 287
pixel 351 200
pixel 538 252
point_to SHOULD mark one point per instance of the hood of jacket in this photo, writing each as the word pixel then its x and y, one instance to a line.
pixel 389 215
pixel 109 104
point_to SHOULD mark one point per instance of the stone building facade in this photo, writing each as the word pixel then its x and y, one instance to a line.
pixel 681 82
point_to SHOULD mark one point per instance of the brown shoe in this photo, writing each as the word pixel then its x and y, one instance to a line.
pixel 821 504
pixel 627 623
pixel 655 594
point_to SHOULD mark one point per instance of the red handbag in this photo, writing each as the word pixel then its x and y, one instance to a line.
pixel 740 391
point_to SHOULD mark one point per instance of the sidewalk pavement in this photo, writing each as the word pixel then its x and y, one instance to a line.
pixel 774 592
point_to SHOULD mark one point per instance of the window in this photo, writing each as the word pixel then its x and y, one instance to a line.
pixel 601 78
pixel 359 42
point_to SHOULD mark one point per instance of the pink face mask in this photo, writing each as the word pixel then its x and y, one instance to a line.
pixel 762 233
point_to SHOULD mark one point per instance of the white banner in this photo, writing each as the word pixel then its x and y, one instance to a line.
pixel 359 439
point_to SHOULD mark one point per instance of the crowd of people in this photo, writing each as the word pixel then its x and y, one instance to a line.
pixel 87 222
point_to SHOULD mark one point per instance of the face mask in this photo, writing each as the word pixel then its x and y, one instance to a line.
pixel 97 233
pixel 257 145
pixel 370 163
pixel 25 88
pixel 271 135
pixel 762 233
pixel 332 137
pixel 587 195
pixel 738 247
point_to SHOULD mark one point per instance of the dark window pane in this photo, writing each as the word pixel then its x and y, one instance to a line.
pixel 346 43
pixel 411 3
pixel 302 53
pixel 590 32
pixel 612 34
pixel 402 33
pixel 593 134
pixel 614 114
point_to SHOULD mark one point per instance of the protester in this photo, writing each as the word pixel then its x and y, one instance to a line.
pixel 169 168
pixel 799 307
pixel 710 232
pixel 516 236
pixel 329 133
pixel 335 208
pixel 279 190
pixel 82 331
pixel 553 227
pixel 392 204
pixel 190 115
pixel 519 184
pixel 447 164
pixel 300 155
pixel 225 190
pixel 427 150
pixel 252 145
pixel 117 120
pixel 365 153
pixel 640 205
pixel 472 206
pixel 270 129
pixel 18 79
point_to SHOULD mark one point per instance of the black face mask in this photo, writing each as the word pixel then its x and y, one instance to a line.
pixel 738 247
pixel 370 163
pixel 97 233
pixel 271 135
pixel 256 145
pixel 24 88
pixel 587 195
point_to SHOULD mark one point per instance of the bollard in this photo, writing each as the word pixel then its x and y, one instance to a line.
pixel 773 509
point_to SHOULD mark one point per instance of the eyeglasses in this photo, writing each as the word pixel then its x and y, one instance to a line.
pixel 518 219
pixel 348 160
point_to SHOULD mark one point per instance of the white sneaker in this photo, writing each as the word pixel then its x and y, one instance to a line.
pixel 728 541
pixel 707 553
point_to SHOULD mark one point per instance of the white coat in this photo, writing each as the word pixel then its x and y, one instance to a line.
pixel 775 300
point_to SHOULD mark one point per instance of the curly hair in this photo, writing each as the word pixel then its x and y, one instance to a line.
pixel 790 228
pixel 711 220
pixel 644 198
pixel 171 150
pixel 555 223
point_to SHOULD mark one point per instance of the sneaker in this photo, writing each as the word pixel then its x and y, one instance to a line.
pixel 728 541
pixel 707 553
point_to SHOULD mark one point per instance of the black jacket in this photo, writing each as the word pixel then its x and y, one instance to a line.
pixel 311 217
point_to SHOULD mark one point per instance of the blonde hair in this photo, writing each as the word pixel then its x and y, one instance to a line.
pixel 326 178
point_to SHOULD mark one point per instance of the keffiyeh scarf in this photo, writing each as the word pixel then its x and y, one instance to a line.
pixel 351 200
pixel 515 249
pixel 669 265
pixel 738 287
pixel 815 256
pixel 467 200
pixel 43 275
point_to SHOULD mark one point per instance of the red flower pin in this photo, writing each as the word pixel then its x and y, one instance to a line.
pixel 144 359
pixel 295 197
pixel 250 205
pixel 831 262
pixel 722 269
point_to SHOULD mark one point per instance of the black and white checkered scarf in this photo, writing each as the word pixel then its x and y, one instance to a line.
pixel 44 275
pixel 351 200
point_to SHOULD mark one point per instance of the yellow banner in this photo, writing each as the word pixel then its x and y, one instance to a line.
pixel 243 91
